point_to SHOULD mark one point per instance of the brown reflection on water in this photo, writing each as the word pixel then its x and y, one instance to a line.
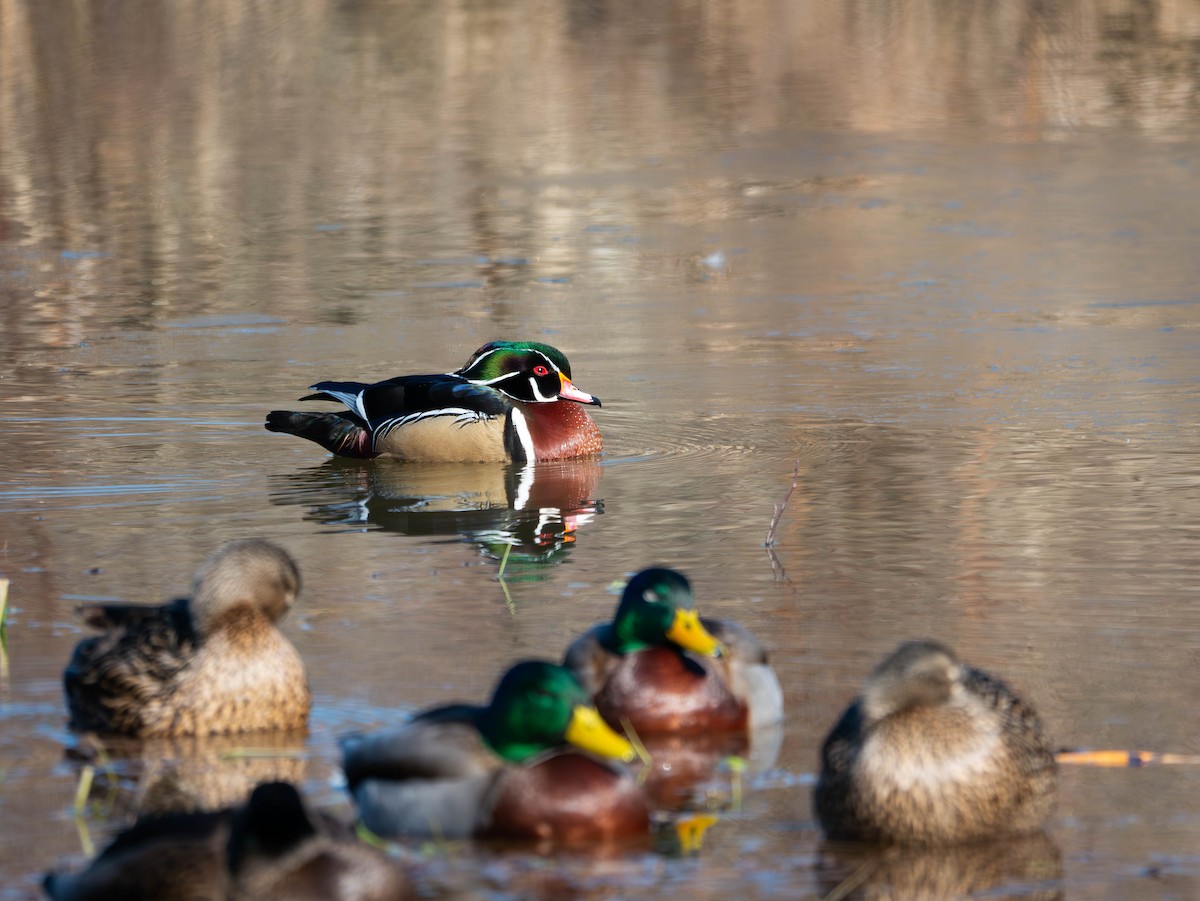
pixel 937 260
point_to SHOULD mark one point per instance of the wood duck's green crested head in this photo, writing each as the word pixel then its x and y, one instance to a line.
pixel 919 673
pixel 539 706
pixel 657 608
pixel 525 371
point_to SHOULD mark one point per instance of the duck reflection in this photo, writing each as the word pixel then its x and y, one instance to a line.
pixel 1027 867
pixel 132 777
pixel 525 515
pixel 708 772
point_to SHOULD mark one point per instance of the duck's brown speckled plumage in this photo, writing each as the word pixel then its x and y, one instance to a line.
pixel 214 663
pixel 934 752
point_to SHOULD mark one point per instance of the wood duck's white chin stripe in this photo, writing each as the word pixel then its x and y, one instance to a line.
pixel 461 415
pixel 537 393
pixel 523 434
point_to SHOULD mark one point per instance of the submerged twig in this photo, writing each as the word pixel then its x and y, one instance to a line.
pixel 1111 758
pixel 853 881
pixel 769 543
pixel 4 631
pixel 86 775
pixel 638 747
pixel 780 507
pixel 508 598
pixel 737 766
pixel 263 753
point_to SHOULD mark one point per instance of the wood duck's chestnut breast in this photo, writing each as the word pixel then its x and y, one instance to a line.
pixel 663 690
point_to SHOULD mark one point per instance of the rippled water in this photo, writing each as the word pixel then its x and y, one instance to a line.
pixel 936 267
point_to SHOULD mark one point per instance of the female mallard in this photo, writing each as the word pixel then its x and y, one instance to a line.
pixel 509 403
pixel 663 668
pixel 500 771
pixel 934 752
pixel 214 663
pixel 273 848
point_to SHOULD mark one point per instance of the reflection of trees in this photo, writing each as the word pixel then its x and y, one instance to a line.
pixel 212 153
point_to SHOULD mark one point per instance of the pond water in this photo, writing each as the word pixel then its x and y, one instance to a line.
pixel 934 265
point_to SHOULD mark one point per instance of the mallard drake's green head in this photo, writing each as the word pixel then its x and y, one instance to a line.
pixel 539 706
pixel 526 371
pixel 657 608
pixel 251 572
pixel 919 673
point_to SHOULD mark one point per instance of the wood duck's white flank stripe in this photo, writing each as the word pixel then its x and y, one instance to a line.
pixel 521 426
pixel 461 415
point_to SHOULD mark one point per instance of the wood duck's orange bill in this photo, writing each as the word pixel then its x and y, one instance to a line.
pixel 570 392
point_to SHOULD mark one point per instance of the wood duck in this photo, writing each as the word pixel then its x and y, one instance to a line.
pixel 664 669
pixel 502 770
pixel 272 848
pixel 934 752
pixel 508 404
pixel 214 663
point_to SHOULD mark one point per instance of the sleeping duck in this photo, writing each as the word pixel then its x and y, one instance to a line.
pixel 934 752
pixel 214 663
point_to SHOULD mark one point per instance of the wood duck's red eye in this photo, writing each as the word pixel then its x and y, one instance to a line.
pixel 540 370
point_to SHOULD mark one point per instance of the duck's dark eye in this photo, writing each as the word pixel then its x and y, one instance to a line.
pixel 540 370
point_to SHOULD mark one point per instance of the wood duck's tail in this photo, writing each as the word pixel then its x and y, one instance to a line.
pixel 343 434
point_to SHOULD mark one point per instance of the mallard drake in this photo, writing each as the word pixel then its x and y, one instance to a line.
pixel 500 770
pixel 934 752
pixel 273 848
pixel 506 404
pixel 663 668
pixel 214 663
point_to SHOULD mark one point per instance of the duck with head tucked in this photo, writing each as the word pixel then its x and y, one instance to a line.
pixel 513 401
pixel 506 770
pixel 272 848
pixel 663 668
pixel 934 752
pixel 214 663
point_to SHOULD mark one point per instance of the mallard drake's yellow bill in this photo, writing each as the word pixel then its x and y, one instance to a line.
pixel 689 633
pixel 589 732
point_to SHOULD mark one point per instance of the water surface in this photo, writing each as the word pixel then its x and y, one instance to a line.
pixel 934 266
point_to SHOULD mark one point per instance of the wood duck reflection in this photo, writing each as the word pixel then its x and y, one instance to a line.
pixel 534 510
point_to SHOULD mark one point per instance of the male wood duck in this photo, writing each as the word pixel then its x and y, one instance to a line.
pixel 214 663
pixel 664 669
pixel 273 848
pixel 502 770
pixel 513 401
pixel 934 752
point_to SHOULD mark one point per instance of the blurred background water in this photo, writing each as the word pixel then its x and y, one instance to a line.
pixel 935 263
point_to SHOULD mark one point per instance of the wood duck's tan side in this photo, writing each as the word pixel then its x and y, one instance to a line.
pixel 447 440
